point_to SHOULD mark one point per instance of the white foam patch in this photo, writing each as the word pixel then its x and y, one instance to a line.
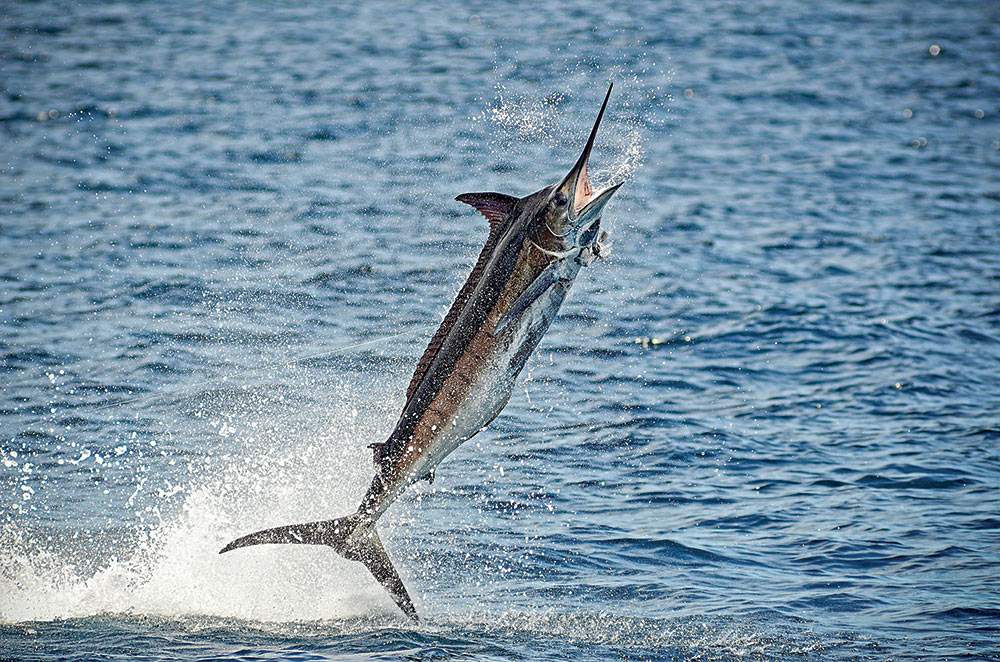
pixel 175 570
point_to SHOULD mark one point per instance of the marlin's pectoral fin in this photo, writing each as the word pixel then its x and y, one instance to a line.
pixel 550 276
pixel 602 247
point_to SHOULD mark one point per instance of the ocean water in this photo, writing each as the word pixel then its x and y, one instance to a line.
pixel 767 428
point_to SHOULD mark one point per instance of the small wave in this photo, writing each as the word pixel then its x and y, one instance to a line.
pixel 916 483
pixel 963 613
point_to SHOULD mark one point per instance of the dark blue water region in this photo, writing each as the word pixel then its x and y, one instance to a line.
pixel 767 427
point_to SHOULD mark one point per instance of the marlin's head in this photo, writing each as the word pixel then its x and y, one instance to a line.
pixel 570 211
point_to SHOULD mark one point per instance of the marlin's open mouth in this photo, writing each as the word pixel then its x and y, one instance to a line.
pixel 584 191
pixel 576 185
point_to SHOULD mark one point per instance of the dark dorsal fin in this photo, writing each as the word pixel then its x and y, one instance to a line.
pixel 496 207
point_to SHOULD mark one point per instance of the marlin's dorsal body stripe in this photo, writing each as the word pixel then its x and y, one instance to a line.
pixel 536 247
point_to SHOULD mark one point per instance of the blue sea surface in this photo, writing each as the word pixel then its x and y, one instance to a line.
pixel 767 428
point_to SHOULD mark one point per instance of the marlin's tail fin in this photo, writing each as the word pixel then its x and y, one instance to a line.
pixel 352 537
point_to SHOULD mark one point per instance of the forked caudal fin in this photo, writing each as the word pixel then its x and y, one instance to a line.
pixel 353 538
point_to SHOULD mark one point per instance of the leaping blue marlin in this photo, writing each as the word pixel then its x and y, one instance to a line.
pixel 536 247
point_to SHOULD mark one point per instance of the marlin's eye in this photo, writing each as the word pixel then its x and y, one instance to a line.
pixel 559 199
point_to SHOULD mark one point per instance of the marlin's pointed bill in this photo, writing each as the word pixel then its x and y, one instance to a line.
pixel 576 184
pixel 536 247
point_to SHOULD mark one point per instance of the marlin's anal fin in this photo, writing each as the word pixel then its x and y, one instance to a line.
pixel 494 206
pixel 549 277
pixel 378 454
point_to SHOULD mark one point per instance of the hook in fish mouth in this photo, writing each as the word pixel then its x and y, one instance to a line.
pixel 576 185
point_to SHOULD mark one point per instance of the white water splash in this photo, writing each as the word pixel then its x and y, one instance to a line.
pixel 174 569
pixel 524 118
